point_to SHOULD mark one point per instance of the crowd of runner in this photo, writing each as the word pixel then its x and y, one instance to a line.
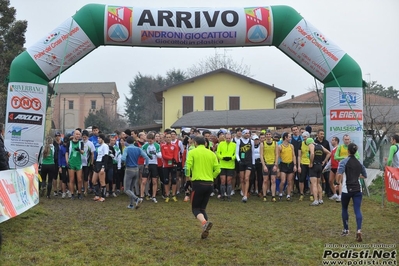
pixel 263 164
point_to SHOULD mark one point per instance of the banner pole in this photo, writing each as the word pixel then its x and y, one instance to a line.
pixel 383 189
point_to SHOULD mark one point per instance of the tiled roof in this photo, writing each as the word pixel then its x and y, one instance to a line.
pixel 251 118
pixel 313 98
pixel 278 91
pixel 385 114
pixel 88 87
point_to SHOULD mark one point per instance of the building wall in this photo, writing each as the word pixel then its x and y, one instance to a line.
pixel 82 106
pixel 221 86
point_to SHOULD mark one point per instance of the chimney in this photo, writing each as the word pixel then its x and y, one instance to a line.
pixel 292 96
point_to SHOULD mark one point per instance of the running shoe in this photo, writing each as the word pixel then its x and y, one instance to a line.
pixel 138 202
pixel 107 195
pixel 186 198
pixel 321 201
pixel 333 197
pixel 114 195
pixel 55 194
pixel 288 198
pixel 154 199
pixel 228 198
pixel 212 194
pixel 345 232
pixel 314 203
pixel 274 199
pixel 147 197
pixel 96 198
pixel 280 198
pixel 174 198
pixel 264 199
pixel 244 199
pixel 130 206
pixel 359 236
pixel 63 195
pixel 101 200
pixel 338 200
pixel 205 229
pixel 79 196
pixel 167 199
pixel 311 198
pixel 301 198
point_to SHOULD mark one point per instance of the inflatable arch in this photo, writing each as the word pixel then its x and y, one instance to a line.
pixel 95 24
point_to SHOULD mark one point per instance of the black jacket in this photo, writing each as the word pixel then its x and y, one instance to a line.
pixel 3 156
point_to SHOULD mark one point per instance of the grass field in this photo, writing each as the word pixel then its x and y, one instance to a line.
pixel 82 232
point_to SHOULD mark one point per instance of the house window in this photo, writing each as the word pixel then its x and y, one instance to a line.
pixel 188 104
pixel 234 103
pixel 208 103
pixel 70 105
pixel 93 104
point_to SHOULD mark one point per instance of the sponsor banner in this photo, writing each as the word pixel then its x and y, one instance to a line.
pixel 25 119
pixel 391 178
pixel 185 27
pixel 344 115
pixel 18 191
pixel 66 44
pixel 311 49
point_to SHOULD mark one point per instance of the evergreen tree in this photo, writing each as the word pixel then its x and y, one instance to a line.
pixel 12 40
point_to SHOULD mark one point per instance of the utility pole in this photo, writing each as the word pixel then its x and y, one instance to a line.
pixel 63 119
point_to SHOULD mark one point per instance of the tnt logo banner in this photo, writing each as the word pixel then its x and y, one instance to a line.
pixel 118 24
pixel 391 177
pixel 259 25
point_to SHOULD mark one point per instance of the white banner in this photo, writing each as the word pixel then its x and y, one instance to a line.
pixel 18 191
pixel 311 49
pixel 26 108
pixel 188 27
pixel 50 52
pixel 344 115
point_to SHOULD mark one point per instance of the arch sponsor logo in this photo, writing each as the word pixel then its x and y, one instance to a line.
pixel 119 24
pixel 26 103
pixel 347 97
pixel 346 128
pixel 26 88
pixel 258 22
pixel 346 114
pixel 25 118
pixel 16 131
pixel 51 37
pixel 21 158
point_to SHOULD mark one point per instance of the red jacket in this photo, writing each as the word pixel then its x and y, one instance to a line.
pixel 169 152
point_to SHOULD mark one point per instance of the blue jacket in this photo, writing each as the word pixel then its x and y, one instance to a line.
pixel 131 156
pixel 61 156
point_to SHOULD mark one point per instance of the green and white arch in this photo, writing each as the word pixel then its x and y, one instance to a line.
pixel 95 25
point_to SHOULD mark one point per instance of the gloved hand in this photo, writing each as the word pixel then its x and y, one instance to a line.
pixel 227 158
pixel 146 172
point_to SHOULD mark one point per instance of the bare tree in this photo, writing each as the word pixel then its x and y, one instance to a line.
pixel 379 122
pixel 218 61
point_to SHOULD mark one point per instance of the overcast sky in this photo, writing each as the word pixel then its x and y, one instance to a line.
pixel 367 30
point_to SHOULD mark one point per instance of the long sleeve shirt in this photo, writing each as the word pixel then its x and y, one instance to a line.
pixel 202 164
pixel 225 149
pixel 131 155
pixel 393 158
pixel 169 152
